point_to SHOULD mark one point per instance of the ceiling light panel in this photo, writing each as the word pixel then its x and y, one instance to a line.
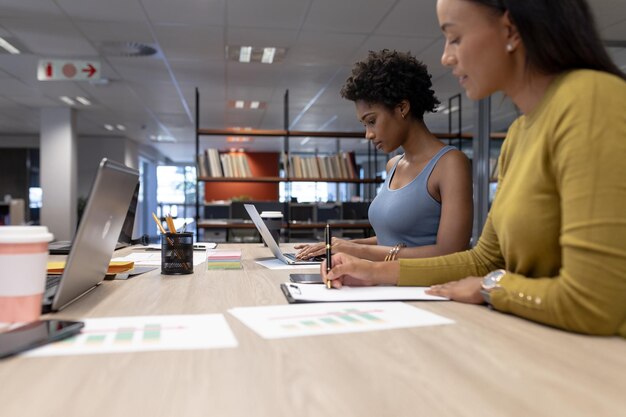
pixel 9 47
pixel 247 105
pixel 262 54
pixel 245 53
pixel 67 100
pixel 83 100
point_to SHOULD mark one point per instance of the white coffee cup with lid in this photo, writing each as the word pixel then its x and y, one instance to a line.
pixel 23 270
pixel 274 221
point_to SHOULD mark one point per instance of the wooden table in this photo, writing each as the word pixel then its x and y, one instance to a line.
pixel 486 364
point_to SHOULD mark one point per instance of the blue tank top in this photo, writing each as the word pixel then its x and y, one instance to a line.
pixel 408 215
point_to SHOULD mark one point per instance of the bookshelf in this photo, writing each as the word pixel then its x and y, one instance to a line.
pixel 259 180
pixel 342 169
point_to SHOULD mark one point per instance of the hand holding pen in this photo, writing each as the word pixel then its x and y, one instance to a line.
pixel 329 255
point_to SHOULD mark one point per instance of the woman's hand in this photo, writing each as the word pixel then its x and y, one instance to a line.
pixel 352 271
pixel 466 290
pixel 307 251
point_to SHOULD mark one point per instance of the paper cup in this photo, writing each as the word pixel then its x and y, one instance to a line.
pixel 23 267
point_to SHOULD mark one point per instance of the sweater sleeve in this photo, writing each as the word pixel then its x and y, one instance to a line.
pixel 589 163
pixel 484 257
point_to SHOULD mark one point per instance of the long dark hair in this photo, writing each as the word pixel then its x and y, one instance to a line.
pixel 558 35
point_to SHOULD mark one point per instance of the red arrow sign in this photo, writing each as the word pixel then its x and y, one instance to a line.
pixel 68 69
pixel 90 69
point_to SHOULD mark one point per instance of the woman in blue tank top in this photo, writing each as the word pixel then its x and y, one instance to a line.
pixel 425 206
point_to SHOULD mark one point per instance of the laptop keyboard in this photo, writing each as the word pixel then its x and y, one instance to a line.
pixel 293 257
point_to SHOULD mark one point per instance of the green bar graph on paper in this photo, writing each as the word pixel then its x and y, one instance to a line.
pixel 94 339
pixel 349 318
pixel 152 333
pixel 334 319
pixel 364 315
pixel 124 335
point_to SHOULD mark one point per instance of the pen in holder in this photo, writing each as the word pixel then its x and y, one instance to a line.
pixel 177 253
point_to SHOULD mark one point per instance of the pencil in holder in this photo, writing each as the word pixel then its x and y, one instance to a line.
pixel 177 253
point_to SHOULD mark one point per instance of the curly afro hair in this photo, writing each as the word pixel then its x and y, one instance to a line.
pixel 388 77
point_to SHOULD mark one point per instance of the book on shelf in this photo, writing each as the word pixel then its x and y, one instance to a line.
pixel 212 164
pixel 214 159
pixel 202 166
pixel 338 166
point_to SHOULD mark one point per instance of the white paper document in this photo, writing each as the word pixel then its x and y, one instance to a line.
pixel 273 263
pixel 196 246
pixel 154 258
pixel 302 293
pixel 144 333
pixel 273 322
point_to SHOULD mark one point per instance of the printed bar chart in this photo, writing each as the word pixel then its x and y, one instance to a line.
pixel 350 316
pixel 145 333
pixel 273 322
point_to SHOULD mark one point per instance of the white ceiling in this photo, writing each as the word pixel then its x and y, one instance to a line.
pixel 155 95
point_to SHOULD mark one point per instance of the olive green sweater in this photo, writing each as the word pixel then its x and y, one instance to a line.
pixel 558 222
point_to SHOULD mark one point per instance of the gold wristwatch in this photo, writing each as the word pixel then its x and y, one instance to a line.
pixel 491 282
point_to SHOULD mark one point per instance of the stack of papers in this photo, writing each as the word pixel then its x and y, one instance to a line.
pixel 115 267
pixel 224 259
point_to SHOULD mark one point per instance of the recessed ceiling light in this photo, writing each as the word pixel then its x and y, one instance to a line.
pixel 121 127
pixel 67 100
pixel 8 47
pixel 244 104
pixel 262 54
pixel 245 53
pixel 162 138
pixel 268 55
pixel 109 127
pixel 84 101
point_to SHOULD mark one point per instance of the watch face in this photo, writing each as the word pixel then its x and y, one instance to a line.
pixel 490 281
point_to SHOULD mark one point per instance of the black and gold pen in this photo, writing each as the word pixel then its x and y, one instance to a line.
pixel 329 262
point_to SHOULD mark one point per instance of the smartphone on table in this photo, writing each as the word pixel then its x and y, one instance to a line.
pixel 306 278
pixel 35 334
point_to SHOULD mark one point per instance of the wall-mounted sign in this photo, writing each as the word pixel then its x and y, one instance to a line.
pixel 68 70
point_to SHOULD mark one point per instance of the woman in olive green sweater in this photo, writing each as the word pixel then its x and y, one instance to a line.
pixel 553 249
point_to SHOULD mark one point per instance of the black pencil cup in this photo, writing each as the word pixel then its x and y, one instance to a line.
pixel 177 253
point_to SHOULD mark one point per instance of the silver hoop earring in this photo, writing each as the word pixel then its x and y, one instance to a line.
pixel 403 115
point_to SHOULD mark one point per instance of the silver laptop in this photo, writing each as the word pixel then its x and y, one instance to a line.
pixel 288 258
pixel 97 234
pixel 125 239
